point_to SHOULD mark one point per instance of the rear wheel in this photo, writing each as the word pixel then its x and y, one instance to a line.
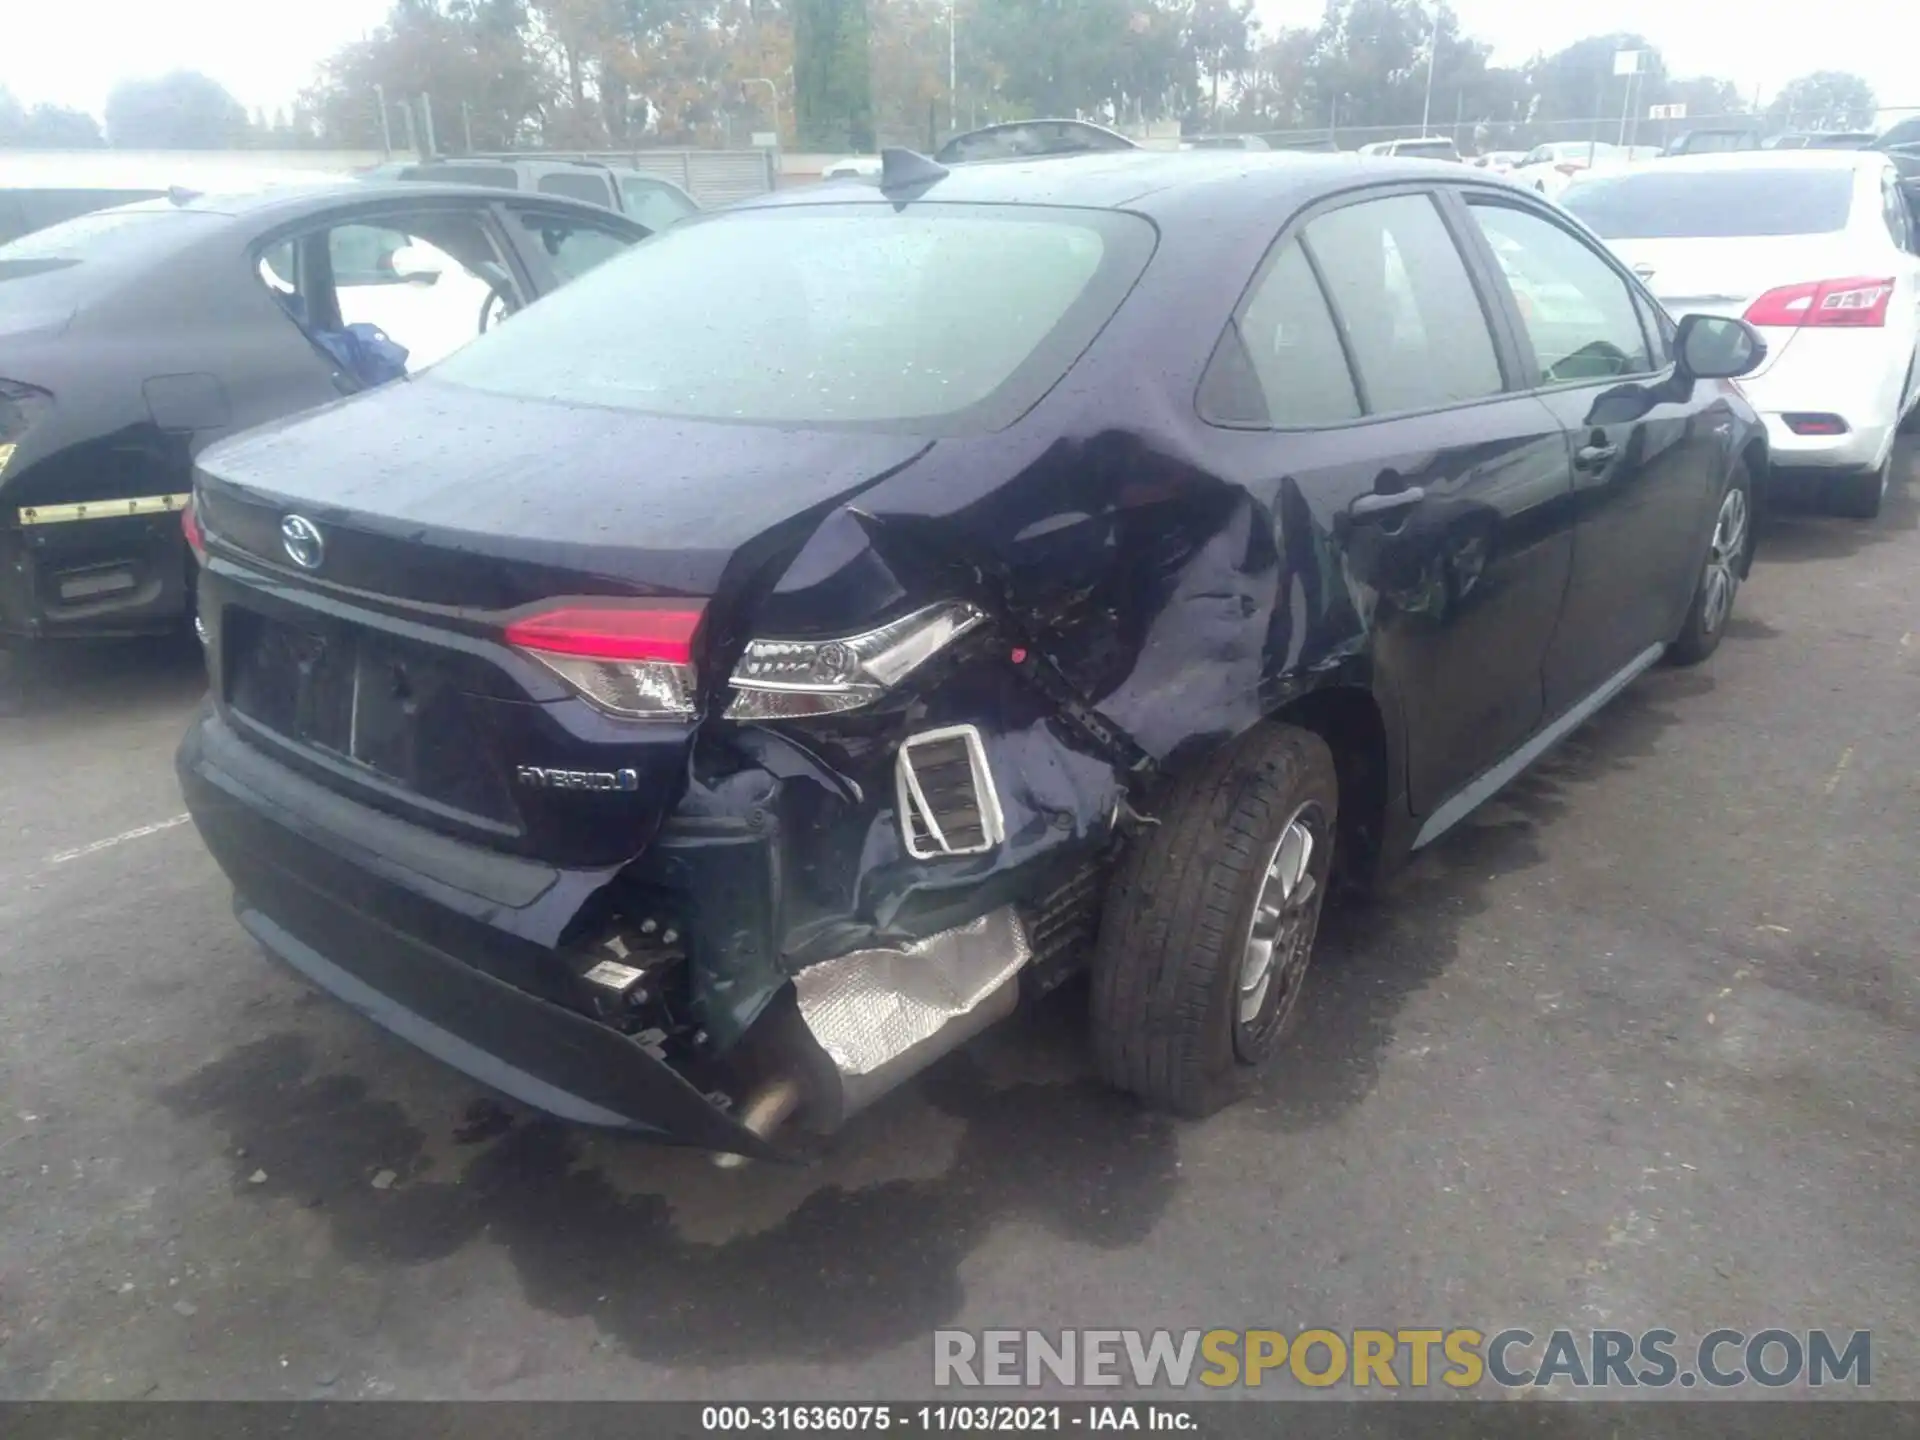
pixel 1210 924
pixel 1719 582
pixel 1859 496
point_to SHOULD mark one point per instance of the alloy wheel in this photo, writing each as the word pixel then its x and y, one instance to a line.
pixel 1286 914
pixel 1723 561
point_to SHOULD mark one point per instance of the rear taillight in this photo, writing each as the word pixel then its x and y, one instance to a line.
pixel 636 660
pixel 633 660
pixel 791 679
pixel 20 406
pixel 190 527
pixel 1843 303
pixel 1568 167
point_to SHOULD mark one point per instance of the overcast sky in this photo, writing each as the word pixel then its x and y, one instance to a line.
pixel 70 52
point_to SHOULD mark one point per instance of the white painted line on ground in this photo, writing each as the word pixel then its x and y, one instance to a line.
pixel 1846 758
pixel 97 846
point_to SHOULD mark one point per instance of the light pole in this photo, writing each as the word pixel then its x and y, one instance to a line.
pixel 773 99
pixel 953 69
pixel 1433 54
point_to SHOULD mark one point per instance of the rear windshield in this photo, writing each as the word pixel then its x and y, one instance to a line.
pixel 1689 204
pixel 500 177
pixel 939 318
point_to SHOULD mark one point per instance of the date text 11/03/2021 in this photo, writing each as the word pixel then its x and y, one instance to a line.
pixel 949 1418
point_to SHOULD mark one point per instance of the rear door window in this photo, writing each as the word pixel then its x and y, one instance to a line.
pixel 1281 364
pixel 1402 295
pixel 391 296
pixel 586 185
pixel 1578 310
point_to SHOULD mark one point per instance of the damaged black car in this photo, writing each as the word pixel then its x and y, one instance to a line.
pixel 701 704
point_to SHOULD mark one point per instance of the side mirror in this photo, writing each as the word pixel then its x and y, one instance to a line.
pixel 1718 347
pixel 417 265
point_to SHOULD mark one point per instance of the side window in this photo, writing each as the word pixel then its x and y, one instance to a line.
pixel 1281 364
pixel 1577 310
pixel 654 206
pixel 588 185
pixel 1539 155
pixel 363 255
pixel 1402 294
pixel 1899 223
pixel 572 247
pixel 387 298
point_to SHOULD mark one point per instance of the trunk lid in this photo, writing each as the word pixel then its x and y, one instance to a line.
pixel 1713 276
pixel 441 514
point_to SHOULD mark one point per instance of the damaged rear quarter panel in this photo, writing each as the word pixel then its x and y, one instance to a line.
pixel 1173 590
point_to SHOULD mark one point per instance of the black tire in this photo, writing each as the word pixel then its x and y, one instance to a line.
pixel 1707 621
pixel 1178 916
pixel 1859 496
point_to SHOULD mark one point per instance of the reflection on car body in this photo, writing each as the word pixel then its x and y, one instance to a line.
pixel 1028 568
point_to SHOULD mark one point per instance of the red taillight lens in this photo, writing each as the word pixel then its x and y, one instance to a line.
pixel 1822 303
pixel 190 527
pixel 1568 168
pixel 634 660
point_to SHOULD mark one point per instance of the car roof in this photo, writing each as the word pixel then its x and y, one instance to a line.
pixel 108 171
pixel 1153 181
pixel 291 201
pixel 1773 160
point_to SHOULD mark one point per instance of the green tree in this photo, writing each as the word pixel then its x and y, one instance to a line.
pixel 1121 59
pixel 1276 92
pixel 1220 39
pixel 474 60
pixel 1825 100
pixel 184 110
pixel 45 127
pixel 1578 83
pixel 832 75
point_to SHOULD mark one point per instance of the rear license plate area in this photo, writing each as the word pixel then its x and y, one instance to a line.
pixel 391 707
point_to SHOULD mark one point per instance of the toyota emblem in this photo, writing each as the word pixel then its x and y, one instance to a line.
pixel 300 537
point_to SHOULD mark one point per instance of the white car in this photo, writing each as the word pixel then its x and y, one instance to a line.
pixel 1818 249
pixel 1550 168
pixel 1424 147
pixel 852 167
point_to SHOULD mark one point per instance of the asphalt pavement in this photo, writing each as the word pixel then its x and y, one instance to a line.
pixel 1637 1046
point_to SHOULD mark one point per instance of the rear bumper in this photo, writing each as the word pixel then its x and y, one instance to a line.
pixel 421 957
pixel 1861 448
pixel 1850 374
pixel 98 577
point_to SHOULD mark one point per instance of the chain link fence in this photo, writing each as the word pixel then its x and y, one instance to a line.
pixel 1650 133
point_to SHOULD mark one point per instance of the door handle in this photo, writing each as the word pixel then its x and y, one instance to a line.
pixel 1375 504
pixel 1592 457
